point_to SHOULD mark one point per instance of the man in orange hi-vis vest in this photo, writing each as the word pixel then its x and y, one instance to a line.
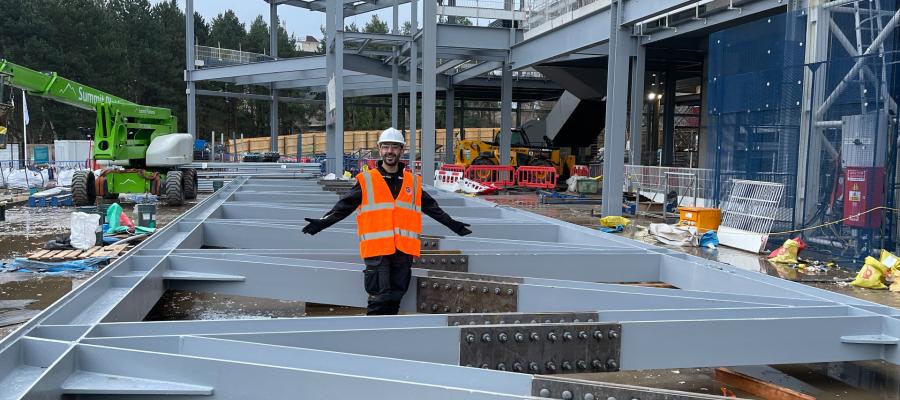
pixel 390 204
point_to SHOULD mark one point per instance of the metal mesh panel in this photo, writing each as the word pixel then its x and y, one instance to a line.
pixel 752 205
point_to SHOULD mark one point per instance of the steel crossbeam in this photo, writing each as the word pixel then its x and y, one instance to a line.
pixel 556 284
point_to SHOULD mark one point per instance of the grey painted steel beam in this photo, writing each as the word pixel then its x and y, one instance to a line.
pixel 190 68
pixel 621 47
pixel 429 87
pixel 472 72
pixel 262 68
pixel 252 96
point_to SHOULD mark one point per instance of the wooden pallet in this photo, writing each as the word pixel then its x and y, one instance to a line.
pixel 66 255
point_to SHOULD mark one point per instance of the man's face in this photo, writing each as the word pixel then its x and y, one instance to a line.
pixel 390 153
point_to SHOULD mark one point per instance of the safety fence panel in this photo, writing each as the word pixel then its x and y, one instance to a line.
pixel 581 170
pixel 454 168
pixel 537 177
pixel 497 175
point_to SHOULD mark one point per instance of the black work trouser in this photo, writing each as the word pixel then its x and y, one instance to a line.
pixel 386 281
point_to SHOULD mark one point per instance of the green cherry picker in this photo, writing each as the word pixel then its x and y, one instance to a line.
pixel 139 144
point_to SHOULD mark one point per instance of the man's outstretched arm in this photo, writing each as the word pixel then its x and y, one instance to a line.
pixel 344 207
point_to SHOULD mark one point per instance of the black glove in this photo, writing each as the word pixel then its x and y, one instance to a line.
pixel 315 226
pixel 461 228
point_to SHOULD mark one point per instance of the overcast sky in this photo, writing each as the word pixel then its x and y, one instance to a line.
pixel 298 21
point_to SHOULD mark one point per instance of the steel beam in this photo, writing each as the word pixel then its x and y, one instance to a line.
pixel 429 87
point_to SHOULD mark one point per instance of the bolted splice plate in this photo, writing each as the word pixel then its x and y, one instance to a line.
pixel 438 295
pixel 565 388
pixel 542 348
pixel 443 262
pixel 430 242
pixel 522 318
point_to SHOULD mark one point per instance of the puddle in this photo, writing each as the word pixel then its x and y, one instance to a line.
pixel 179 305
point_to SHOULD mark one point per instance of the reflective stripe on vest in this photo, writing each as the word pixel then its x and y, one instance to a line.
pixel 377 235
pixel 408 206
pixel 404 232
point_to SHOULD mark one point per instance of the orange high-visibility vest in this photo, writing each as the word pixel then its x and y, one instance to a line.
pixel 384 224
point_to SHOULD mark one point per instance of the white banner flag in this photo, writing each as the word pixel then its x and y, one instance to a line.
pixel 25 109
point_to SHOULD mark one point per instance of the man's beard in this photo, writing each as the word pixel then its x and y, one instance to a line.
pixel 392 163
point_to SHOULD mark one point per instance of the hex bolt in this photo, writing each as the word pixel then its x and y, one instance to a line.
pixel 510 292
pixel 534 321
pixel 562 320
pixel 576 320
pixel 544 392
pixel 452 261
pixel 484 290
pixel 470 338
pixel 582 335
pixel 567 395
pixel 517 322
pixel 503 337
pixel 434 307
pixel 443 261
pixel 588 396
pixel 472 311
pixel 446 286
pixel 532 366
pixel 518 367
pixel 567 336
pixel 423 284
pixel 435 285
pixel 548 321
pixel 446 309
pixel 610 398
pixel 566 366
pixel 497 290
pixel 519 337
pixel 550 366
pixel 459 309
pixel 486 338
pixel 423 306
pixel 456 323
pixel 581 365
pixel 459 288
pixel 485 366
pixel 551 336
pixel 613 334
pixel 472 289
pixel 597 364
pixel 501 367
pixel 535 337
pixel 612 364
pixel 598 335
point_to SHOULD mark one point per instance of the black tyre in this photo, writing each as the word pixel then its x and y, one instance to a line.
pixel 189 183
pixel 84 192
pixel 174 189
pixel 540 162
pixel 483 160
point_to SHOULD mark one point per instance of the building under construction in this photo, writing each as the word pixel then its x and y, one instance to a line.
pixel 781 113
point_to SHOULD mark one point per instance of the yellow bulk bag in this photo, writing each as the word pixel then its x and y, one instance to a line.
pixel 871 275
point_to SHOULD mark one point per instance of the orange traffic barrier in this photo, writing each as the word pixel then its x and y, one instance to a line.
pixel 453 168
pixel 537 177
pixel 580 170
pixel 498 175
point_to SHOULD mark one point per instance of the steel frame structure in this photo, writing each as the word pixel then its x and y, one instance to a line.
pixel 547 278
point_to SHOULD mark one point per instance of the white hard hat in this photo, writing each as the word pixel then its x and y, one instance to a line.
pixel 391 135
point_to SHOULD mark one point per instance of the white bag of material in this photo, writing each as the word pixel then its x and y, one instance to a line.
pixel 17 179
pixel 84 230
pixel 329 177
pixel 64 178
pixel 572 182
pixel 675 235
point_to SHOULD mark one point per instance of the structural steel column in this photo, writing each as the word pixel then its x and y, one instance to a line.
pixel 334 96
pixel 449 146
pixel 620 46
pixel 413 81
pixel 505 114
pixel 273 51
pixel 668 146
pixel 395 71
pixel 189 59
pixel 809 157
pixel 429 88
pixel 462 119
pixel 637 104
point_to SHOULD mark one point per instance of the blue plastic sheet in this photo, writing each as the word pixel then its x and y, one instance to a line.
pixel 709 239
pixel 62 267
pixel 618 228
